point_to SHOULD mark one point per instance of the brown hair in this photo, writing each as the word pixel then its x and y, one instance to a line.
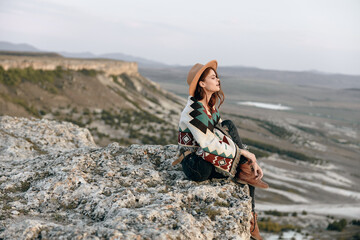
pixel 215 97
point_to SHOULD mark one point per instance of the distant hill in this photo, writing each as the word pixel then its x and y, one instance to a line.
pixel 7 46
pixel 142 62
pixel 78 55
pixel 233 75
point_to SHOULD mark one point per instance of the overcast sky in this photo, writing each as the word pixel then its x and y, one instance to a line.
pixel 321 35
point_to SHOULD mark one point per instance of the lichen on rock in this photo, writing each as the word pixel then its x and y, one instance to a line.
pixel 69 190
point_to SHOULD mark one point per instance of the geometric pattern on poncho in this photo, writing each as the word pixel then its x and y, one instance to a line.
pixel 187 139
pixel 203 121
pixel 215 152
pixel 217 161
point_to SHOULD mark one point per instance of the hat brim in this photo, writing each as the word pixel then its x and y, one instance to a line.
pixel 213 64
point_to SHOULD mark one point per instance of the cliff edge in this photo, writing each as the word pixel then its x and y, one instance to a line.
pixel 51 62
pixel 56 183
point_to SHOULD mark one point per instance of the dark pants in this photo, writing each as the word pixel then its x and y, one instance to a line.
pixel 197 169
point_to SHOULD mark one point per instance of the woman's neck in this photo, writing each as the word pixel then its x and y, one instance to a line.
pixel 205 101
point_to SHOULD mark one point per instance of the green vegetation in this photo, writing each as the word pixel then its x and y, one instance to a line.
pixel 337 225
pixel 115 79
pixel 273 149
pixel 129 85
pixel 31 54
pixel 270 226
pixel 312 131
pixel 274 129
pixel 276 213
pixel 356 236
pixel 123 95
pixel 140 126
pixel 128 119
pixel 355 222
pixel 88 72
pixel 50 80
pixel 152 99
pixel 29 108
pixel 127 80
pixel 271 127
pixel 74 121
pixel 43 78
pixel 280 132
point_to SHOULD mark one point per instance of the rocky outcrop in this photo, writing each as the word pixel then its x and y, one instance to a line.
pixel 56 183
pixel 109 67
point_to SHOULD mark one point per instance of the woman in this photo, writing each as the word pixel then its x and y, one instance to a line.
pixel 209 147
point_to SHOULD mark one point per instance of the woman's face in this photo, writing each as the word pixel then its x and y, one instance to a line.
pixel 211 83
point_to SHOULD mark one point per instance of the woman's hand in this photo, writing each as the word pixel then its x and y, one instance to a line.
pixel 258 172
pixel 248 155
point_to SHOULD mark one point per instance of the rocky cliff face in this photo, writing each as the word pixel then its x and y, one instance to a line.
pixel 109 67
pixel 56 183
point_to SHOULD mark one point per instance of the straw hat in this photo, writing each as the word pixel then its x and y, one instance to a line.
pixel 195 73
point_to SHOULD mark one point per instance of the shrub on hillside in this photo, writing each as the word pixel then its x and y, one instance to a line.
pixel 276 213
pixel 88 72
pixel 355 222
pixel 337 225
pixel 270 226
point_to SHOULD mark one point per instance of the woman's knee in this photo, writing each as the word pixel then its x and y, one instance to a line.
pixel 228 123
pixel 233 132
pixel 196 168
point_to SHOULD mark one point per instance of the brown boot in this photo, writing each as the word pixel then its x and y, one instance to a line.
pixel 246 175
pixel 254 228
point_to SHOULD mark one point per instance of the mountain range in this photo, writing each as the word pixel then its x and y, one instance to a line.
pixel 142 62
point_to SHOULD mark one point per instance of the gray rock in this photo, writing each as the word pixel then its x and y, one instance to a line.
pixel 69 188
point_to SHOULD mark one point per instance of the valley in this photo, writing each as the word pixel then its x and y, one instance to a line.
pixel 309 151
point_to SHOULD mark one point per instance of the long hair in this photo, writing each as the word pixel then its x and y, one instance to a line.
pixel 216 97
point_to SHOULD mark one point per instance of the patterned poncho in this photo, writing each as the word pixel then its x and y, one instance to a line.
pixel 199 132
